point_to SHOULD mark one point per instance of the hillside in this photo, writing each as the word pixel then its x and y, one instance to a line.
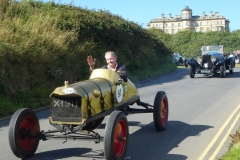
pixel 44 44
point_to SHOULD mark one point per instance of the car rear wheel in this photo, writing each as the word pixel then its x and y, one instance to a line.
pixel 222 71
pixel 192 71
pixel 186 64
pixel 231 71
pixel 23 123
pixel 116 136
pixel 160 111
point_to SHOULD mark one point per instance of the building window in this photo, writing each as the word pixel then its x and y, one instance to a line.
pixel 201 29
pixel 172 24
pixel 166 30
pixel 200 23
pixel 207 23
pixel 157 25
pixel 186 23
pixel 166 25
pixel 220 22
pixel 172 31
pixel 178 24
pixel 217 22
pixel 194 24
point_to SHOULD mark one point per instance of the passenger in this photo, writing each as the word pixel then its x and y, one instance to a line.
pixel 112 64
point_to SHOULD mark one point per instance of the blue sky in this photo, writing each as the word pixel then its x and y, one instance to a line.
pixel 143 11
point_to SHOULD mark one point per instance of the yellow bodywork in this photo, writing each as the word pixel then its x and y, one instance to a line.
pixel 96 94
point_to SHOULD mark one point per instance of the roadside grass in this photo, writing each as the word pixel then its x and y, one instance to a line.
pixel 234 151
pixel 237 65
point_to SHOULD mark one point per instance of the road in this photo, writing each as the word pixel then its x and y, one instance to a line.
pixel 202 113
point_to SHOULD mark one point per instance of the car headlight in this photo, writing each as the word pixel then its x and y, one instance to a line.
pixel 213 59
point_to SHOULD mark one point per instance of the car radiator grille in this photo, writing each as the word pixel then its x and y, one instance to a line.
pixel 207 59
pixel 66 109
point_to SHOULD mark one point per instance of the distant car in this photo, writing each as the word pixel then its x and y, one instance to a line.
pixel 237 58
pixel 79 108
pixel 179 60
pixel 211 61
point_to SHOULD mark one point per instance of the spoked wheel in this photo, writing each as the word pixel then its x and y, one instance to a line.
pixel 116 136
pixel 160 111
pixel 191 71
pixel 23 123
pixel 222 71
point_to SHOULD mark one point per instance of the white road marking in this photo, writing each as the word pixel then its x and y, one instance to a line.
pixel 218 134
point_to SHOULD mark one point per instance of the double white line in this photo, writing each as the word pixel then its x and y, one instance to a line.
pixel 218 134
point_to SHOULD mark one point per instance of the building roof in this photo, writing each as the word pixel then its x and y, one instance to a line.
pixel 186 9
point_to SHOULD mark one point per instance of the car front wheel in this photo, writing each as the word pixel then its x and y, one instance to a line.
pixel 23 126
pixel 116 136
pixel 192 71
pixel 222 71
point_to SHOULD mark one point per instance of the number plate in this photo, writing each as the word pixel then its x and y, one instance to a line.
pixel 205 71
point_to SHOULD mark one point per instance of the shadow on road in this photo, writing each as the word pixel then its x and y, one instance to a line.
pixel 66 153
pixel 156 145
pixel 146 143
pixel 228 75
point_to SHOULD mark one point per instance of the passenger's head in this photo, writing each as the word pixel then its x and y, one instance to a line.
pixel 111 58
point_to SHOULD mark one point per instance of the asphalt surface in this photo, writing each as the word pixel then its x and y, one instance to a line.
pixel 203 113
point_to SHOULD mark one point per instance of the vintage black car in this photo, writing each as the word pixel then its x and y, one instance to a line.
pixel 237 58
pixel 212 61
pixel 78 109
pixel 179 60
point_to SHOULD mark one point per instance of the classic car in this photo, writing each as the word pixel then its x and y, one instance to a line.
pixel 79 108
pixel 212 61
pixel 237 58
pixel 179 60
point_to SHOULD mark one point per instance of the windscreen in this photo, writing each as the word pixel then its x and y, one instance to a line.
pixel 216 48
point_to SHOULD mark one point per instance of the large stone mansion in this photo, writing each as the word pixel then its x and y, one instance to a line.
pixel 186 21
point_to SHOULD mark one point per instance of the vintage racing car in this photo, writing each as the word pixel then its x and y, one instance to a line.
pixel 212 61
pixel 79 108
pixel 179 60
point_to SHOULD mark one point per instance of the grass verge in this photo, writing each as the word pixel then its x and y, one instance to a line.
pixel 234 151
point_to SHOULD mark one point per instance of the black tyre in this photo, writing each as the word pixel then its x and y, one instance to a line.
pixel 116 136
pixel 231 71
pixel 186 63
pixel 222 71
pixel 192 71
pixel 93 125
pixel 23 122
pixel 160 111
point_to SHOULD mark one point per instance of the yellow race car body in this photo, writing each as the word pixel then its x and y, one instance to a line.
pixel 86 101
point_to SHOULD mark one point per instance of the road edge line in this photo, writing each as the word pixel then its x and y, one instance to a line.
pixel 225 138
pixel 218 134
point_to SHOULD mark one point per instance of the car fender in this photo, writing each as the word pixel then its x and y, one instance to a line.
pixel 193 62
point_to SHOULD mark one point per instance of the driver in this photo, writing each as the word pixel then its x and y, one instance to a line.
pixel 112 64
